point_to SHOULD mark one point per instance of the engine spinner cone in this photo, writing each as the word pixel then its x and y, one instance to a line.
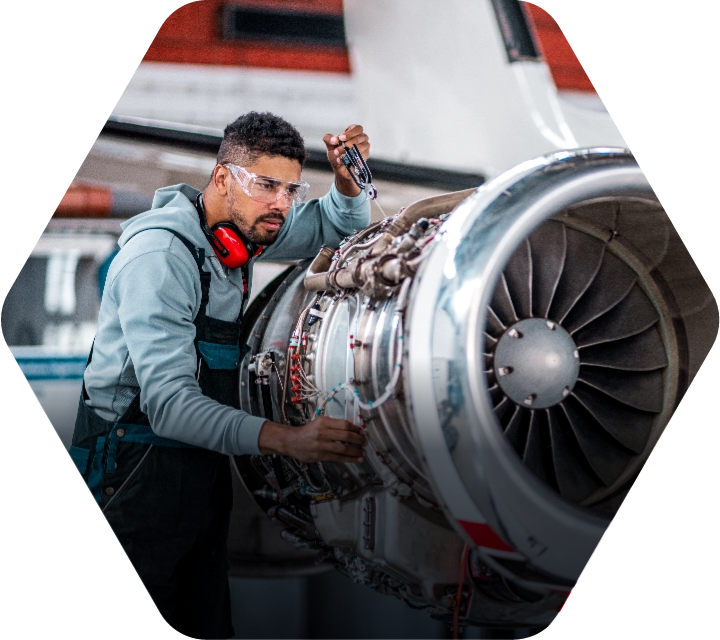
pixel 536 363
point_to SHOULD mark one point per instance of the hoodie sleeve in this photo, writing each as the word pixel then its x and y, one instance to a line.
pixel 156 294
pixel 319 221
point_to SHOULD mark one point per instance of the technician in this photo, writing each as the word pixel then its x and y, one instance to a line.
pixel 159 414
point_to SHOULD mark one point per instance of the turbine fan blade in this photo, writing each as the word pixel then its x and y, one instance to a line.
pixel 640 389
pixel 574 478
pixel 494 328
pixel 504 410
pixel 607 459
pixel 490 376
pixel 630 427
pixel 538 449
pixel 642 352
pixel 585 446
pixel 630 316
pixel 518 277
pixel 496 394
pixel 517 429
pixel 501 303
pixel 612 283
pixel 490 342
pixel 488 361
pixel 583 258
pixel 547 251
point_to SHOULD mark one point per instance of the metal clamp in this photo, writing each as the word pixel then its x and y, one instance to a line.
pixel 262 363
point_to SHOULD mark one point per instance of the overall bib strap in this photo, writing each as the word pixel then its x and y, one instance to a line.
pixel 198 254
pixel 85 395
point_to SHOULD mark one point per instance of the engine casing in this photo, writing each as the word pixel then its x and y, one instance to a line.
pixel 513 353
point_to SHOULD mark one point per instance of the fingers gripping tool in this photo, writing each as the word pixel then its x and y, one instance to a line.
pixel 358 170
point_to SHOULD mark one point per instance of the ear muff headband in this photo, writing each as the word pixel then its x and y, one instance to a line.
pixel 231 246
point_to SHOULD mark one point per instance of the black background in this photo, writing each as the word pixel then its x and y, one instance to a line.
pixel 65 571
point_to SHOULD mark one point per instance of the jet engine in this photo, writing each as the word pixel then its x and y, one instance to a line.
pixel 513 353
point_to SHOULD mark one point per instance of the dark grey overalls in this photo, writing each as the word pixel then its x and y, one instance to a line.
pixel 169 502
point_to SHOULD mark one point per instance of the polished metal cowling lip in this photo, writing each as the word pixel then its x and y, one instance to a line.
pixel 482 480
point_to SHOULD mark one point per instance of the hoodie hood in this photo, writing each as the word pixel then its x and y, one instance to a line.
pixel 172 208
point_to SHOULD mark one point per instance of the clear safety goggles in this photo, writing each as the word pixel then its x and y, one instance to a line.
pixel 268 190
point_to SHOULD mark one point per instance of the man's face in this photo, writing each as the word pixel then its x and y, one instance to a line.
pixel 259 221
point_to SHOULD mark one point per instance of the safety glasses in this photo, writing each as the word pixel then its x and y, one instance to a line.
pixel 269 190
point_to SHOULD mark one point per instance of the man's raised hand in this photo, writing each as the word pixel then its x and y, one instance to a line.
pixel 353 134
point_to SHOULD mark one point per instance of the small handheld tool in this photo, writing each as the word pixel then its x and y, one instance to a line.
pixel 358 170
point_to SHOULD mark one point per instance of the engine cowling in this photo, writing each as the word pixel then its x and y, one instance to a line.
pixel 513 352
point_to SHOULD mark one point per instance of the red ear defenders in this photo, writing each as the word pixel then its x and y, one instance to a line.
pixel 231 247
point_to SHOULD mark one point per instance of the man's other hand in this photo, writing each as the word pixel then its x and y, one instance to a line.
pixel 354 134
pixel 322 440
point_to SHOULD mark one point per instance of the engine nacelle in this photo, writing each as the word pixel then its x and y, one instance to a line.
pixel 513 352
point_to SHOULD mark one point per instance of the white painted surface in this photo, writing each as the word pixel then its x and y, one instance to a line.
pixel 213 96
pixel 450 98
pixel 85 245
pixel 429 92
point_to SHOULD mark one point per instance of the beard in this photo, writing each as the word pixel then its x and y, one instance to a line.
pixel 257 235
pixel 254 232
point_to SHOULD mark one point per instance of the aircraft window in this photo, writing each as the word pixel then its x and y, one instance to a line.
pixel 245 23
pixel 515 30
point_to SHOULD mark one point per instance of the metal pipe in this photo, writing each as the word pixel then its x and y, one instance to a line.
pixel 318 276
pixel 285 386
pixel 426 208
pixel 355 247
pixel 411 266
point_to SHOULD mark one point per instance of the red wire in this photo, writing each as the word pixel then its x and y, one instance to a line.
pixel 458 597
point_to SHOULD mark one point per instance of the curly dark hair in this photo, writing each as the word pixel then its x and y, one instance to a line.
pixel 257 134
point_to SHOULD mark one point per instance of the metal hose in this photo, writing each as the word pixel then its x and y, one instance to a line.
pixel 318 278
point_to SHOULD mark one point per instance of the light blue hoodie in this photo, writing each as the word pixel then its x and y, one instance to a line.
pixel 152 294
